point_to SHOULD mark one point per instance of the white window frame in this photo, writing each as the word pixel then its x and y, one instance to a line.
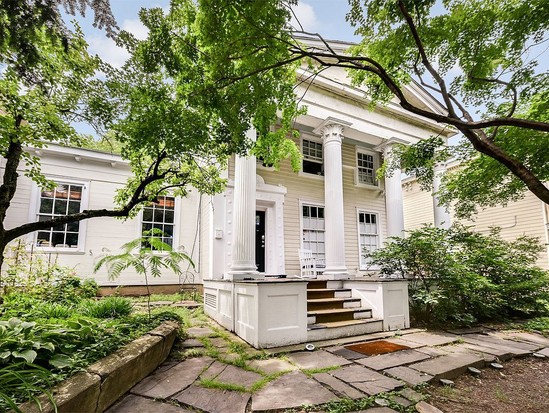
pixel 364 265
pixel 176 226
pixel 303 203
pixel 35 209
pixel 317 140
pixel 375 156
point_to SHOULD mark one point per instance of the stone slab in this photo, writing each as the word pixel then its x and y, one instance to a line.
pixel 408 375
pixel 125 367
pixel 138 404
pixel 423 407
pixel 502 342
pixel 403 342
pixel 433 351
pixel 345 353
pixel 499 345
pixel 377 410
pixel 213 370
pixel 271 366
pixel 191 343
pixel 500 353
pixel 545 352
pixel 169 382
pixel 213 400
pixel 316 359
pixel 431 339
pixel 449 366
pixel 533 338
pixel 462 349
pixel 400 401
pixel 195 332
pixel 398 358
pixel 237 376
pixel 337 386
pixel 366 380
pixel 168 331
pixel 470 330
pixel 76 394
pixel 290 391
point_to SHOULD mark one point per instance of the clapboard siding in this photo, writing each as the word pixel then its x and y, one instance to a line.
pixel 522 217
pixel 102 179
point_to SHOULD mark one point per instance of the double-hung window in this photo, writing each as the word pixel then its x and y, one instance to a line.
pixel 366 165
pixel 159 220
pixel 313 231
pixel 313 159
pixel 368 235
pixel 65 199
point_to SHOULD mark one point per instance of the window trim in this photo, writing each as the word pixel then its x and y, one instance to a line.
pixel 379 238
pixel 35 208
pixel 376 157
pixel 310 203
pixel 176 218
pixel 314 139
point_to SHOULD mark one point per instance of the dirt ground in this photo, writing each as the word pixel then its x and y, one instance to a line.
pixel 521 387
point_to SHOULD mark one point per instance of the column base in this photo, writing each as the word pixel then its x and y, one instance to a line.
pixel 243 275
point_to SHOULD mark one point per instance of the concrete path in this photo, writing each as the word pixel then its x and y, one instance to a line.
pixel 222 374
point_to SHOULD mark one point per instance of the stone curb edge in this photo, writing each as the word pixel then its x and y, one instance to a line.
pixel 104 382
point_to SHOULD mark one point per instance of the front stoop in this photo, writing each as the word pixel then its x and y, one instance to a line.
pixel 332 312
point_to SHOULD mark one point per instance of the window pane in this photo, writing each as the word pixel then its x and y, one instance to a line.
pixel 60 207
pixel 313 231
pixel 72 240
pixel 147 214
pixel 74 207
pixel 46 206
pixel 58 239
pixel 73 226
pixel 75 192
pixel 168 216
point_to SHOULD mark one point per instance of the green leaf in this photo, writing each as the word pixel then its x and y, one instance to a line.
pixel 61 361
pixel 5 354
pixel 27 355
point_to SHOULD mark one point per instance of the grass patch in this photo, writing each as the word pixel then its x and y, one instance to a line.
pixel 310 372
pixel 539 324
pixel 214 384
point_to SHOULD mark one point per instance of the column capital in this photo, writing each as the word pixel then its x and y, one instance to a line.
pixel 331 129
pixel 387 145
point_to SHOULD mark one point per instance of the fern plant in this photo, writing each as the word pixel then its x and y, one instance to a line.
pixel 148 255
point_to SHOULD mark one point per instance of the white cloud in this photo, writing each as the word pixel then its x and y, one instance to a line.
pixel 306 15
pixel 107 48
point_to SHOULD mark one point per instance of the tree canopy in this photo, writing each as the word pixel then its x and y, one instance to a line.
pixel 480 59
pixel 164 108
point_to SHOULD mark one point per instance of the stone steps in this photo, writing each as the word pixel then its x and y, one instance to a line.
pixel 339 329
pixel 339 314
pixel 317 293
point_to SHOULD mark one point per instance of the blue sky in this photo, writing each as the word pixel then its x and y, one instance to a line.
pixel 326 17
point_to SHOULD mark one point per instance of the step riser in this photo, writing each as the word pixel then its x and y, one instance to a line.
pixel 312 294
pixel 326 318
pixel 347 331
pixel 332 305
pixel 313 285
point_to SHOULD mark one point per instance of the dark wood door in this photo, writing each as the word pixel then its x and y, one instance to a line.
pixel 260 240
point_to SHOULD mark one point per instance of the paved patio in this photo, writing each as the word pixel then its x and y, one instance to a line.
pixel 227 376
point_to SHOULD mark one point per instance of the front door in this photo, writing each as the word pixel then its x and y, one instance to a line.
pixel 260 240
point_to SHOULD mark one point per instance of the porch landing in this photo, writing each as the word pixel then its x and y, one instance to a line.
pixel 274 312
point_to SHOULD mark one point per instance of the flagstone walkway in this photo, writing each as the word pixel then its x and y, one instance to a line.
pixel 227 376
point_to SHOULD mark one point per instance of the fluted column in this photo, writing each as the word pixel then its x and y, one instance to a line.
pixel 442 217
pixel 332 135
pixel 393 198
pixel 243 242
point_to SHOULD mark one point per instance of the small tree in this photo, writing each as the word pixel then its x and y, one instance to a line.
pixel 147 255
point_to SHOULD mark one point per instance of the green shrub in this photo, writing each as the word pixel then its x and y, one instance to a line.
pixel 108 307
pixel 53 310
pixel 458 276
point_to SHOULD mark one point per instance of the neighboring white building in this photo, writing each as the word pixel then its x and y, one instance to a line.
pixel 527 216
pixel 335 208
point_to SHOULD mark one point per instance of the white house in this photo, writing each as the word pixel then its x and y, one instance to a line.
pixel 246 241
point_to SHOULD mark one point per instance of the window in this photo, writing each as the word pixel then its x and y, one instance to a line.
pixel 366 168
pixel 313 231
pixel 368 234
pixel 312 157
pixel 160 215
pixel 65 199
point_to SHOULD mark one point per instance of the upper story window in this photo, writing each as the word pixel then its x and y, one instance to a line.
pixel 65 199
pixel 366 166
pixel 160 215
pixel 313 159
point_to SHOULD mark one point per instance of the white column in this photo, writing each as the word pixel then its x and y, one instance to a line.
pixel 393 198
pixel 442 217
pixel 334 234
pixel 243 242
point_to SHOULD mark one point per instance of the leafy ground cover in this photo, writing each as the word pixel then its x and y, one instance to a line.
pixel 53 327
